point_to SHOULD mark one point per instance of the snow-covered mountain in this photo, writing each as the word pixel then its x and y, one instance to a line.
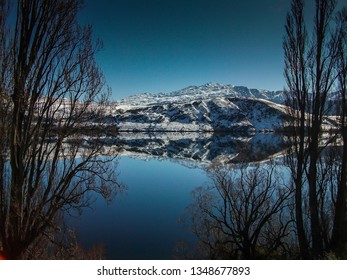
pixel 211 107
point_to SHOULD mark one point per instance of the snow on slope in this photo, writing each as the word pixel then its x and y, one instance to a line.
pixel 208 108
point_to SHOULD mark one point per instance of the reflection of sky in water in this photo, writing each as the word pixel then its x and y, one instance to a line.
pixel 143 223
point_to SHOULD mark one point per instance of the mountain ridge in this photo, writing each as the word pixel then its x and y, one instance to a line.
pixel 205 91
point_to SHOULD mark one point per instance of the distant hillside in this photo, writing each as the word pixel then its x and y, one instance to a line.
pixel 210 107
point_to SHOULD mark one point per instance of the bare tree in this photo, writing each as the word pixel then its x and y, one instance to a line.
pixel 339 234
pixel 54 88
pixel 243 214
pixel 296 60
pixel 310 72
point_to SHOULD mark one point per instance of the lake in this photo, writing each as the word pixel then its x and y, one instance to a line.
pixel 160 173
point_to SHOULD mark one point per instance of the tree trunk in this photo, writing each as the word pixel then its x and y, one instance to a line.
pixel 303 245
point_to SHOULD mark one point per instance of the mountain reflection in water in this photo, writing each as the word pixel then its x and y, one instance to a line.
pixel 196 149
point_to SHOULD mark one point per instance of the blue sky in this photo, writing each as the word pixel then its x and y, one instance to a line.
pixel 165 45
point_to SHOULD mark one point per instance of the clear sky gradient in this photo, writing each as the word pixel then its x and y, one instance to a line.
pixel 165 45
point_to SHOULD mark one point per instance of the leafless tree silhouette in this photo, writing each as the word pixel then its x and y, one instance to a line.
pixel 243 214
pixel 51 91
pixel 312 71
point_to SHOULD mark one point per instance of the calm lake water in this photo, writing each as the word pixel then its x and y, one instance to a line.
pixel 144 222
